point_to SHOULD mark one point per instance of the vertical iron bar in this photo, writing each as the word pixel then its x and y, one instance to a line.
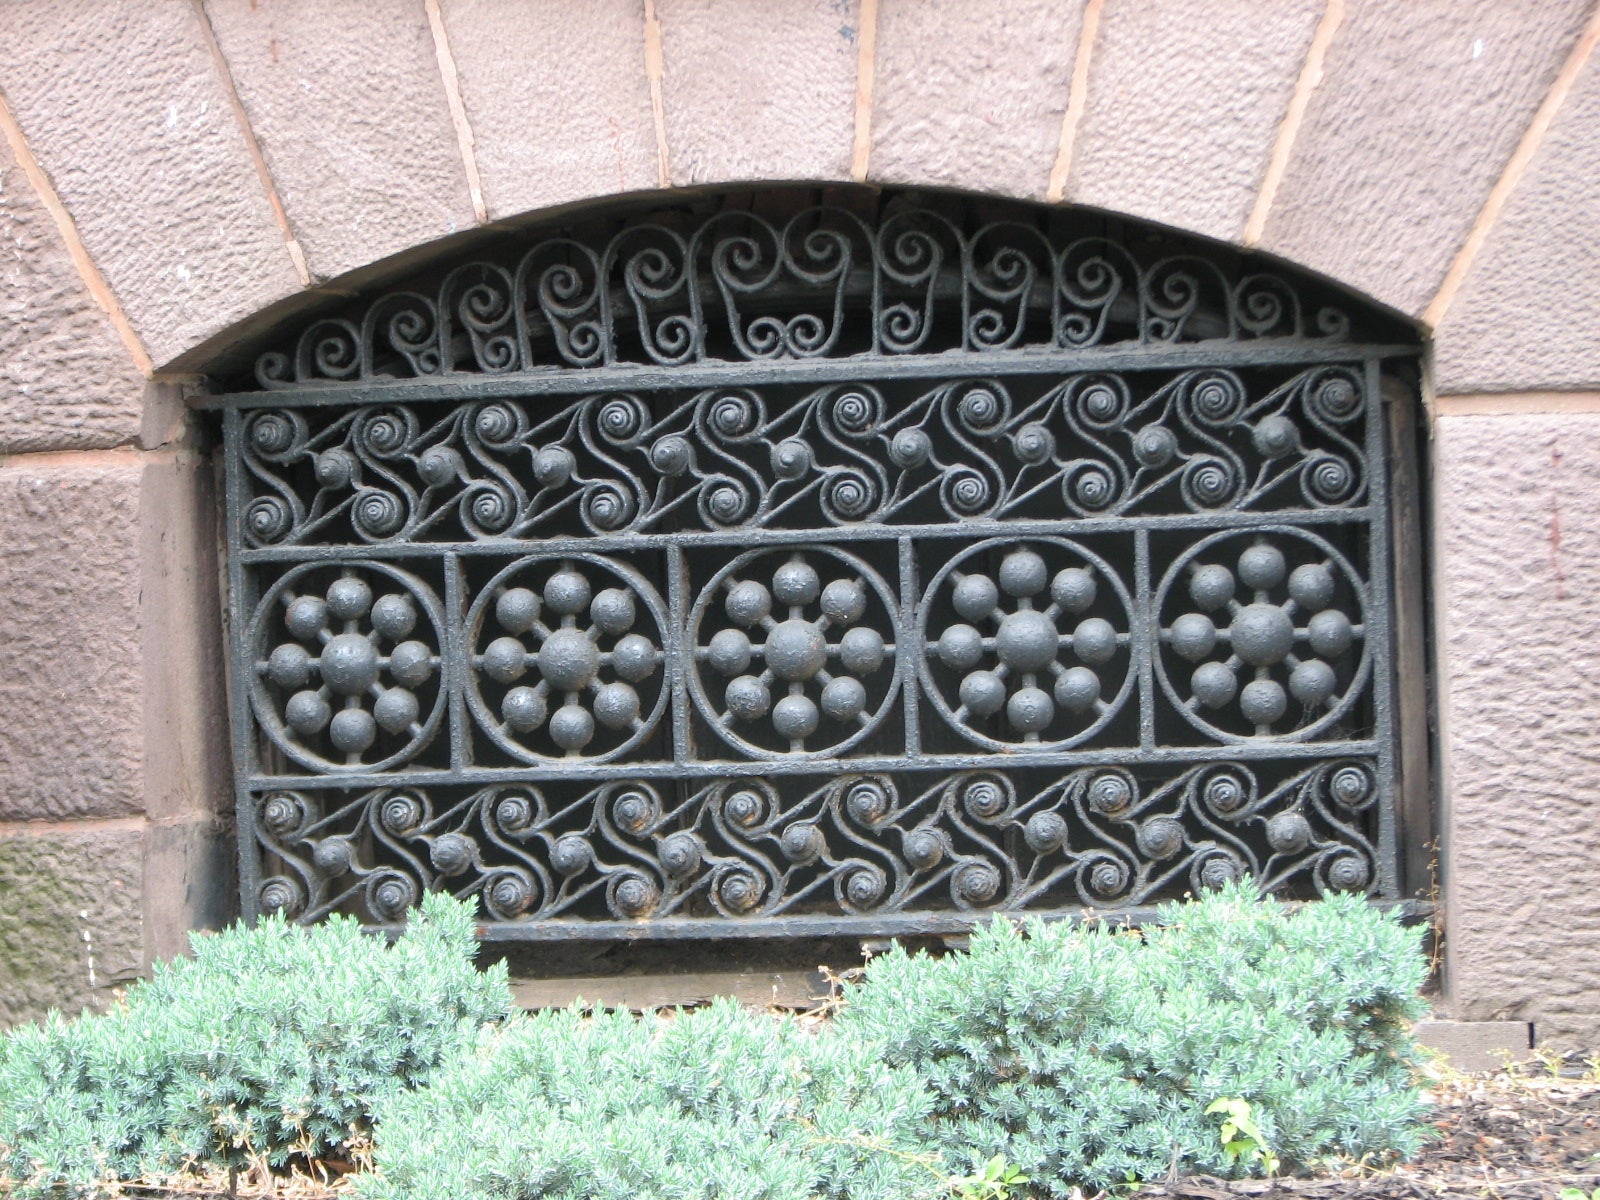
pixel 455 648
pixel 908 650
pixel 678 654
pixel 1143 633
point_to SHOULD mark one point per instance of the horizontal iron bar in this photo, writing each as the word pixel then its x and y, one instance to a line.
pixel 856 368
pixel 1064 526
pixel 563 770
pixel 867 925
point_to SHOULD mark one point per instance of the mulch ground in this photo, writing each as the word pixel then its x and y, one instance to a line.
pixel 1528 1131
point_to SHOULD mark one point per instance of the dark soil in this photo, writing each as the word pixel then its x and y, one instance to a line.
pixel 1528 1131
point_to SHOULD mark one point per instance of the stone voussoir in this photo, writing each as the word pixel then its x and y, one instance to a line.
pixel 66 380
pixel 972 97
pixel 776 102
pixel 557 98
pixel 1421 104
pixel 124 110
pixel 1528 312
pixel 349 107
pixel 1183 108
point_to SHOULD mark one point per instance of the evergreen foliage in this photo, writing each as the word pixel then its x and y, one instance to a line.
pixel 1089 1056
pixel 720 1102
pixel 1053 1054
pixel 273 1040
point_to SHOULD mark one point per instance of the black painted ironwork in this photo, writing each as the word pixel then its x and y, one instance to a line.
pixel 854 572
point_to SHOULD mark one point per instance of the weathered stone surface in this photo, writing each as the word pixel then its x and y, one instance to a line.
pixel 1519 568
pixel 774 100
pixel 66 898
pixel 190 883
pixel 123 108
pixel 797 989
pixel 1184 103
pixel 66 380
pixel 1528 313
pixel 1421 106
pixel 350 110
pixel 972 96
pixel 557 97
pixel 1475 1045
pixel 71 704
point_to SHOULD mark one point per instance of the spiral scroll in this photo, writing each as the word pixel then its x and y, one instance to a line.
pixel 480 301
pixel 657 275
pixel 1006 263
pixel 560 280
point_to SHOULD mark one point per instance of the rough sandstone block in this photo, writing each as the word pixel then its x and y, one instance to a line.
pixel 1184 103
pixel 1421 104
pixel 71 689
pixel 123 108
pixel 1528 313
pixel 1475 1045
pixel 1518 570
pixel 644 991
pixel 66 898
pixel 66 380
pixel 349 107
pixel 758 89
pixel 187 756
pixel 972 96
pixel 557 98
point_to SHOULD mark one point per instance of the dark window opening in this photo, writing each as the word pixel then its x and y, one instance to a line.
pixel 753 567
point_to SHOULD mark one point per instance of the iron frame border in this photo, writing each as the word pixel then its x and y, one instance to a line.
pixel 1395 734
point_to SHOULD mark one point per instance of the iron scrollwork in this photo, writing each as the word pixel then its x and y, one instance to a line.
pixel 1093 445
pixel 819 650
pixel 827 282
pixel 859 844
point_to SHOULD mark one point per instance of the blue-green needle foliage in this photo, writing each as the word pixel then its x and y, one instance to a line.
pixel 273 1040
pixel 1071 1056
pixel 1086 1056
pixel 721 1102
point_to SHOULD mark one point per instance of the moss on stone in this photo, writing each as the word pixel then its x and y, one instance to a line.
pixel 54 891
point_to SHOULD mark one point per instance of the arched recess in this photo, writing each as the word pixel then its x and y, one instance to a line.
pixel 781 563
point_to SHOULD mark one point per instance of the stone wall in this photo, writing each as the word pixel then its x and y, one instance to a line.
pixel 175 172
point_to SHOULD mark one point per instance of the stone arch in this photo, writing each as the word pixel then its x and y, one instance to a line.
pixel 1246 128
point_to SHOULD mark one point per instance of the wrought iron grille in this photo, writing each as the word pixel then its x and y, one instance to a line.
pixel 868 571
